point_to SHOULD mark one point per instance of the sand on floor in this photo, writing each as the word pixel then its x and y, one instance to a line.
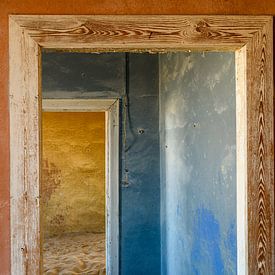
pixel 77 253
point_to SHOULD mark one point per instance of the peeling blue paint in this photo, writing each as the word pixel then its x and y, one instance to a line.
pixel 231 245
pixel 206 244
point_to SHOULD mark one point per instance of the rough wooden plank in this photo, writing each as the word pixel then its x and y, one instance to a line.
pixel 260 153
pixel 25 152
pixel 76 105
pixel 142 32
pixel 17 154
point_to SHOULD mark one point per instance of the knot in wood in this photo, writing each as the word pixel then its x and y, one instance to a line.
pixel 202 27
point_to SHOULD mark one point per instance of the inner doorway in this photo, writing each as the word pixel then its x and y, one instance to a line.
pixel 79 186
pixel 73 192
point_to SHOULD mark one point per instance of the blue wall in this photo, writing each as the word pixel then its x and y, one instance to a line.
pixel 140 200
pixel 79 75
pixel 198 163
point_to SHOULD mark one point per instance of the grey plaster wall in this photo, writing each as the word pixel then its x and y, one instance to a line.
pixel 82 75
pixel 198 163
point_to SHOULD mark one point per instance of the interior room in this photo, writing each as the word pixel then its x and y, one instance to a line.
pixel 177 163
pixel 73 192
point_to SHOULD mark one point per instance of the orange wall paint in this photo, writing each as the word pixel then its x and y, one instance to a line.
pixel 87 7
pixel 73 172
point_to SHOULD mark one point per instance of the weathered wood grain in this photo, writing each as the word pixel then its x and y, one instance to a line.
pixel 260 154
pixel 25 152
pixel 250 35
pixel 142 32
pixel 77 105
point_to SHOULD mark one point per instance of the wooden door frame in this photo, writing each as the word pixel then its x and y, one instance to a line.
pixel 111 109
pixel 250 37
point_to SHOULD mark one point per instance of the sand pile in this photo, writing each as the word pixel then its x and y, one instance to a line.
pixel 81 253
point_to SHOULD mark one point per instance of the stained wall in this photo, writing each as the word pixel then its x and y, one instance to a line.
pixel 198 163
pixel 73 172
pixel 133 78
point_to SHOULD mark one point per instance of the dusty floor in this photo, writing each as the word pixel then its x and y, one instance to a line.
pixel 75 254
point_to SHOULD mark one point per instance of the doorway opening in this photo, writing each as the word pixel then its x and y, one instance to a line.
pixel 250 37
pixel 79 186
pixel 171 160
pixel 73 192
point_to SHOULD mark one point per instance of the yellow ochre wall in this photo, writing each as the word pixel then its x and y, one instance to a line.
pixel 73 172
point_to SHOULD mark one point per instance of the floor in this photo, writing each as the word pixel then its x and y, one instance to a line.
pixel 75 254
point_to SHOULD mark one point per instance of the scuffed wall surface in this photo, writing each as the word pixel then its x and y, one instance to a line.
pixel 76 75
pixel 73 172
pixel 80 75
pixel 198 163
